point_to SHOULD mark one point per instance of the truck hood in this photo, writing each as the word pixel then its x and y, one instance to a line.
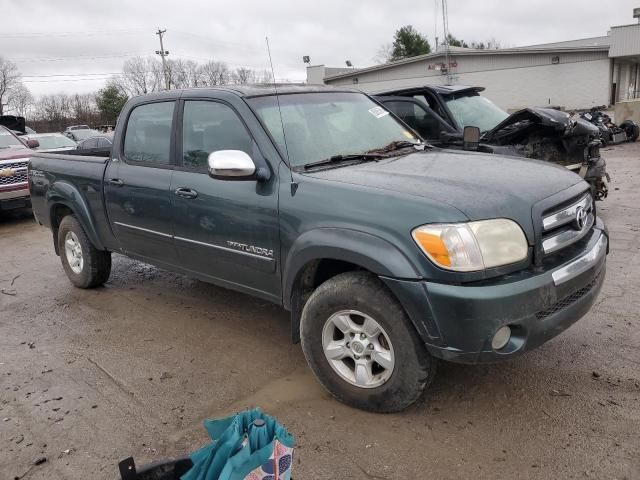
pixel 480 186
pixel 13 153
pixel 561 122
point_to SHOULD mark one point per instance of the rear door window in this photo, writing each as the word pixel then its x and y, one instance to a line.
pixel 148 133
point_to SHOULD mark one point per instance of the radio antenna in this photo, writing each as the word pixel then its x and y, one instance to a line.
pixel 294 185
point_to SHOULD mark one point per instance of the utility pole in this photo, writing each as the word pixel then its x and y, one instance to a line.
pixel 163 53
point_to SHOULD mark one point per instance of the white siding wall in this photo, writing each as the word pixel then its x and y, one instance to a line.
pixel 580 80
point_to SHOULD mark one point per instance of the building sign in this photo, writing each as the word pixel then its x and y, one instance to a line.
pixel 441 66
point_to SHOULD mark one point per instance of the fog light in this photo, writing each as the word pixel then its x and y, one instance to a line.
pixel 501 338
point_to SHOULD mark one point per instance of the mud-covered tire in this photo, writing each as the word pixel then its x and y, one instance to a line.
pixel 95 266
pixel 632 130
pixel 413 369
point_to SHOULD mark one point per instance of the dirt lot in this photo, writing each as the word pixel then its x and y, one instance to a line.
pixel 90 377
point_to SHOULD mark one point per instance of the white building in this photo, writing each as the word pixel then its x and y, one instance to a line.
pixel 575 74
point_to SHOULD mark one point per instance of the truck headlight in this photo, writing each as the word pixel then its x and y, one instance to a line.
pixel 472 246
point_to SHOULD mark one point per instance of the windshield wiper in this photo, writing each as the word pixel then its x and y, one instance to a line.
pixel 397 145
pixel 344 158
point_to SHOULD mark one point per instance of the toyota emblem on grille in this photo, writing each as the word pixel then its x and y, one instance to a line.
pixel 7 172
pixel 581 218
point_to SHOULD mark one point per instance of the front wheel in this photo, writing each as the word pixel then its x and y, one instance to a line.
pixel 86 266
pixel 361 345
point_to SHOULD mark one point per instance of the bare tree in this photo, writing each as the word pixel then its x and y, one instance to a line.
pixel 184 74
pixel 20 100
pixel 215 73
pixel 384 53
pixel 243 76
pixel 83 107
pixel 139 76
pixel 9 79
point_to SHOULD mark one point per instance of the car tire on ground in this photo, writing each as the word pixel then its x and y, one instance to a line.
pixel 631 129
pixel 86 266
pixel 361 345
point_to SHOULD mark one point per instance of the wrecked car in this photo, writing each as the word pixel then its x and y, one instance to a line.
pixel 440 114
pixel 612 134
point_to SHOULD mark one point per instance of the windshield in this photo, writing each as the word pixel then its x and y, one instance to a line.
pixel 7 140
pixel 82 134
pixel 475 111
pixel 54 141
pixel 319 126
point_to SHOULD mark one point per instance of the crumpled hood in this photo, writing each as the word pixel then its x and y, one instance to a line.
pixel 480 186
pixel 560 121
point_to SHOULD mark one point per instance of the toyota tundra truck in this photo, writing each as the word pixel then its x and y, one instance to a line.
pixel 391 255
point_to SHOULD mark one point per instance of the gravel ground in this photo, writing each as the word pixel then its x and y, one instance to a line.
pixel 88 378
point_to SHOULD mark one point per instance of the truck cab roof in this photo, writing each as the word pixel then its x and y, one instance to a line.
pixel 247 91
pixel 439 89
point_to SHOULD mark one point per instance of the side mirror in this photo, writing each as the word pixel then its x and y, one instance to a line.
pixel 33 143
pixel 231 165
pixel 471 138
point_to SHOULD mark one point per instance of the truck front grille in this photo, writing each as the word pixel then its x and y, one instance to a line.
pixel 566 224
pixel 13 172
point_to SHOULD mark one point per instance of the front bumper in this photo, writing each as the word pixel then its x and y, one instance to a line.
pixel 15 198
pixel 462 320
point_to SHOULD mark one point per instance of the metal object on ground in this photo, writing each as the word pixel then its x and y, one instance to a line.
pixel 168 470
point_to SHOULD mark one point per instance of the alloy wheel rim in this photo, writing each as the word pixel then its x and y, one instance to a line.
pixel 358 349
pixel 73 252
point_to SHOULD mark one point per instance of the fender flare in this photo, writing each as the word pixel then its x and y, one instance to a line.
pixel 368 251
pixel 64 193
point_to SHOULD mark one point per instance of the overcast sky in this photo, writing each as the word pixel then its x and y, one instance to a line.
pixel 79 38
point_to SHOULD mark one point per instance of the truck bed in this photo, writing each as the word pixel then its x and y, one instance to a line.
pixel 55 175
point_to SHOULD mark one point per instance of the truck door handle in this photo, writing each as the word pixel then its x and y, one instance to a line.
pixel 116 181
pixel 186 192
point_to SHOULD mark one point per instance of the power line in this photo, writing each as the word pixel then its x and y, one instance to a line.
pixel 73 74
pixel 224 42
pixel 68 80
pixel 73 57
pixel 70 34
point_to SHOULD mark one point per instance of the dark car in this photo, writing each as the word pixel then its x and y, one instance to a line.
pixel 99 146
pixel 388 253
pixel 440 114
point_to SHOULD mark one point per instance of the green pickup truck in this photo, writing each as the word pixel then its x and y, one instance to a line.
pixel 390 254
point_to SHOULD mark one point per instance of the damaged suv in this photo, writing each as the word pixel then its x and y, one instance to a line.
pixel 441 113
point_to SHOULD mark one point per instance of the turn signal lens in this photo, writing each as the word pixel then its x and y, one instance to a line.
pixel 472 246
pixel 433 244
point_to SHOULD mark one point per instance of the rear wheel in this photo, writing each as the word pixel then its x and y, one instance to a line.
pixel 86 266
pixel 361 345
